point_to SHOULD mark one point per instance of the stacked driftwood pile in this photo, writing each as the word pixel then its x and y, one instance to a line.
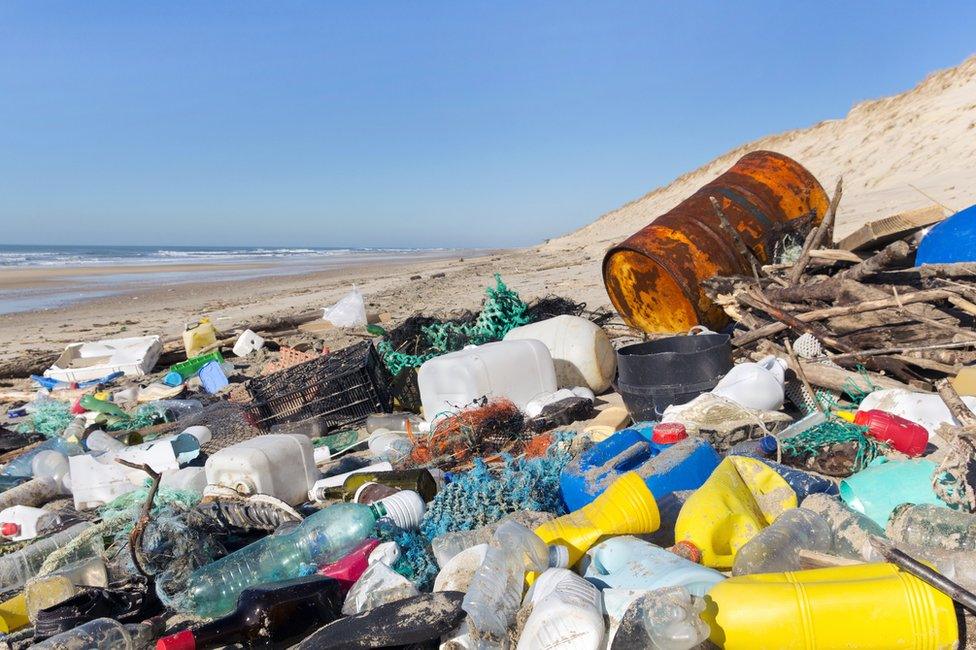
pixel 869 309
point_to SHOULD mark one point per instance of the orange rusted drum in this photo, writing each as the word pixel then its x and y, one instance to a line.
pixel 653 277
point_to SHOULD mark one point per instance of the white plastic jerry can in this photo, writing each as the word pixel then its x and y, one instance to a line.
pixel 516 370
pixel 281 465
pixel 580 349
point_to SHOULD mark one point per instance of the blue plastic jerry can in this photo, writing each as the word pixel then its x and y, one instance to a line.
pixel 665 468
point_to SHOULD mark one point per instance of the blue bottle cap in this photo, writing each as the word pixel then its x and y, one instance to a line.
pixel 768 445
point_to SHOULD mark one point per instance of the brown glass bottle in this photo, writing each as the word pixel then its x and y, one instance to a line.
pixel 273 615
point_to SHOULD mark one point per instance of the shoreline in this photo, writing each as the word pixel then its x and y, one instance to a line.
pixel 448 282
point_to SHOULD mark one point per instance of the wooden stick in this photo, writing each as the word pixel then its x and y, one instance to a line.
pixel 927 295
pixel 135 537
pixel 833 378
pixel 897 350
pixel 955 404
pixel 747 252
pixel 818 236
pixel 894 253
pixel 759 301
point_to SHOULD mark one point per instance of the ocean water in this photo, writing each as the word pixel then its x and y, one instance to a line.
pixel 82 256
pixel 81 270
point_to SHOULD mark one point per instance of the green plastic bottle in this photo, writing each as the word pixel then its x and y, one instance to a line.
pixel 323 537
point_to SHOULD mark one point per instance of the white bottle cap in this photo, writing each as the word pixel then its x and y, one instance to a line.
pixel 405 509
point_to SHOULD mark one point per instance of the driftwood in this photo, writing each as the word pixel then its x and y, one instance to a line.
pixel 813 242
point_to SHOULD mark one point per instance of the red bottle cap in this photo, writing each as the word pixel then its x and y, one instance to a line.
pixel 9 529
pixel 668 433
pixel 180 641
pixel 687 550
pixel 77 408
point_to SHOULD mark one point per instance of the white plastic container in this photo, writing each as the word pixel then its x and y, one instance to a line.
pixel 566 614
pixel 191 479
pixel 247 343
pixel 280 465
pixel 20 522
pixel 580 350
pixel 97 480
pixel 926 409
pixel 756 386
pixel 517 370
pixel 83 361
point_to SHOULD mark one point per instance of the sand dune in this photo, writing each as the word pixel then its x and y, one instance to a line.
pixel 925 137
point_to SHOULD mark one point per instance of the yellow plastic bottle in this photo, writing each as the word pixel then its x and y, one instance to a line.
pixel 852 607
pixel 13 614
pixel 627 507
pixel 740 498
pixel 199 337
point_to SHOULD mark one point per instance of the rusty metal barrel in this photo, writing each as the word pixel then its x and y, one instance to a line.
pixel 653 277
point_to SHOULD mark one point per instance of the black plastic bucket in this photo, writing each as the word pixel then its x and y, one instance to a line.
pixel 654 375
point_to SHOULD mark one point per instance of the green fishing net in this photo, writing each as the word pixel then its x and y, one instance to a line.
pixel 501 312
pixel 818 439
pixel 50 418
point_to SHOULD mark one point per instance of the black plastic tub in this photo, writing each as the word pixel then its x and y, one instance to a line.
pixel 654 375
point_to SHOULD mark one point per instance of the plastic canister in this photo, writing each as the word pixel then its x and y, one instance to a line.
pixel 199 336
pixel 626 562
pixel 627 507
pixel 740 498
pixel 247 343
pixel 20 522
pixel 756 386
pixel 862 606
pixel 886 484
pixel 684 465
pixel 949 241
pixel 580 349
pixel 516 370
pixel 281 465
pixel 565 614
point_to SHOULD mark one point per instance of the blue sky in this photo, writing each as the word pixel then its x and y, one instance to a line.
pixel 412 123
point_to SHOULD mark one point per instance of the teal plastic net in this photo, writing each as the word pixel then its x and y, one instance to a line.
pixel 820 438
pixel 501 312
pixel 416 563
pixel 484 495
pixel 50 418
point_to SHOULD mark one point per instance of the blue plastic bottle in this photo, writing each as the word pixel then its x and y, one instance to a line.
pixel 664 466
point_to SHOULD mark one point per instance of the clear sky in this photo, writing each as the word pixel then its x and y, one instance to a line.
pixel 412 123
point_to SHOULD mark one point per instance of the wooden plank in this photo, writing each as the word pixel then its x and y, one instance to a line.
pixel 881 232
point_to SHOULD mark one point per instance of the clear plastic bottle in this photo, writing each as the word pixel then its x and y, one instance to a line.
pixel 101 633
pixel 172 410
pixel 672 619
pixel 775 548
pixel 98 442
pixel 53 588
pixel 394 421
pixel 23 464
pixel 448 545
pixel 52 465
pixel 19 567
pixel 35 492
pixel 852 530
pixel 323 537
pixel 75 430
pixel 495 593
pixel 958 566
pixel 927 526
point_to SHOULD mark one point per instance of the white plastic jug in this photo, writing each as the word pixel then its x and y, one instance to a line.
pixel 565 615
pixel 247 343
pixel 517 370
pixel 281 465
pixel 190 479
pixel 926 409
pixel 755 385
pixel 580 349
pixel 20 522
pixel 625 567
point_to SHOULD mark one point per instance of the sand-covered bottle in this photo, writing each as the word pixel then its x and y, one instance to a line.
pixel 932 526
pixel 775 548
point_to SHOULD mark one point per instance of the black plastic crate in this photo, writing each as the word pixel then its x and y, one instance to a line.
pixel 341 389
pixel 406 390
